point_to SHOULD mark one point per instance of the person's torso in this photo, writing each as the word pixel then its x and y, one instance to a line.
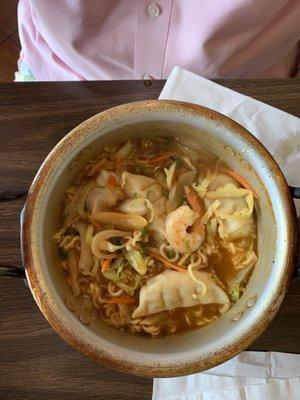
pixel 128 39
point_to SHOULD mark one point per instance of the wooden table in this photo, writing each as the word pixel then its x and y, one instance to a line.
pixel 35 362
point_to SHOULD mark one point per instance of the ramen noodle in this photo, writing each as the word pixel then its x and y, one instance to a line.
pixel 157 239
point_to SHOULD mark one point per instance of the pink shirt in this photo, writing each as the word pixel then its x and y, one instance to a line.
pixel 127 39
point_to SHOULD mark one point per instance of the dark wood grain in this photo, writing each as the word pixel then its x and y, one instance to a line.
pixel 10 254
pixel 35 362
pixel 9 41
pixel 8 18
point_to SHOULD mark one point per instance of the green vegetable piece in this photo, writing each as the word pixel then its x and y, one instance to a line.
pixel 179 162
pixel 234 293
pixel 137 262
pixel 170 253
pixel 117 241
pixel 187 243
pixel 144 232
pixel 111 275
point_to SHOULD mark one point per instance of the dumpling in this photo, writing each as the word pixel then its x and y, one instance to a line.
pixel 134 206
pixel 172 289
pixel 102 177
pixel 124 152
pixel 139 186
pixel 235 210
pixel 221 180
pixel 101 199
pixel 233 228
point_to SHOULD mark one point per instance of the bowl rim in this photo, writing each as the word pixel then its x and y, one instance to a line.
pixel 31 267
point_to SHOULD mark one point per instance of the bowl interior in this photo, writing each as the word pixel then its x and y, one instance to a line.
pixel 206 346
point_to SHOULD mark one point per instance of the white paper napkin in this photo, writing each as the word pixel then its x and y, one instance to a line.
pixel 250 375
pixel 276 129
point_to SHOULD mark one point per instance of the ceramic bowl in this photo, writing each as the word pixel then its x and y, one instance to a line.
pixel 198 350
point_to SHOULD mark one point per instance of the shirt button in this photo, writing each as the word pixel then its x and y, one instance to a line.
pixel 153 10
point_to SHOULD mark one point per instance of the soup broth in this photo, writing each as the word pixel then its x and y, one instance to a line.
pixel 157 239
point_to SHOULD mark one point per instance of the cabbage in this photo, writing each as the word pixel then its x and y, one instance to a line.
pixel 114 276
pixel 137 262
pixel 114 271
pixel 132 241
pixel 150 207
pixel 117 265
pixel 110 274
pixel 81 196
pixel 86 261
pixel 170 174
pixel 188 163
pixel 176 193
pixel 211 230
pixel 76 207
pixel 210 211
pixel 100 241
pixel 202 187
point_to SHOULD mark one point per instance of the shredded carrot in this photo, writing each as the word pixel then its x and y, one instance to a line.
pixel 167 263
pixel 218 281
pixel 162 156
pixel 111 181
pixel 95 168
pixel 121 300
pixel 194 200
pixel 105 264
pixel 118 164
pixel 241 180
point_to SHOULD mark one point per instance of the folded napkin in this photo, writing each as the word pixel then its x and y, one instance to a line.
pixel 276 129
pixel 250 375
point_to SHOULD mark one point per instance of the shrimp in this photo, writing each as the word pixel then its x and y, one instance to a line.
pixel 183 230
